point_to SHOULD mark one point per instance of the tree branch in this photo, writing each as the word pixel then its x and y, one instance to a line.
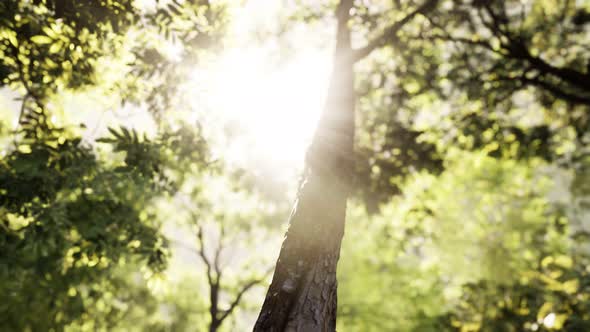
pixel 216 263
pixel 389 35
pixel 20 116
pixel 514 47
pixel 241 293
pixel 569 75
pixel 204 259
pixel 462 40
pixel 557 92
pixel 517 49
pixel 238 297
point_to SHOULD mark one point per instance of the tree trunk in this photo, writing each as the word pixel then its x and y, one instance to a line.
pixel 214 302
pixel 303 292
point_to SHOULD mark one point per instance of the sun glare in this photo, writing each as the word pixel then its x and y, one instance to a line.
pixel 271 109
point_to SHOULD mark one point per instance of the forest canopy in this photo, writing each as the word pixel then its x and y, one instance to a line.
pixel 212 165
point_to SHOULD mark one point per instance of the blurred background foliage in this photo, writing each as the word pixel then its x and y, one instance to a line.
pixel 471 204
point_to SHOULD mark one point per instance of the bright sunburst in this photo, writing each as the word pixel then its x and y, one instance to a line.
pixel 267 99
pixel 270 109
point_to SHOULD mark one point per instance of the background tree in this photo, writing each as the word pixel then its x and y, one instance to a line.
pixel 229 224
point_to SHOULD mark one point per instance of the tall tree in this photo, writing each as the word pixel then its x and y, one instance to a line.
pixel 303 292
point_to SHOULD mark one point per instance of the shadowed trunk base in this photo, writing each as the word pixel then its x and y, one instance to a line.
pixel 303 293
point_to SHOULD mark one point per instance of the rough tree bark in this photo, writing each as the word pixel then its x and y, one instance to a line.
pixel 302 296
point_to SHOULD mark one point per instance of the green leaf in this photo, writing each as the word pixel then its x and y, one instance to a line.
pixel 55 47
pixel 105 140
pixel 50 32
pixel 13 40
pixel 115 133
pixel 41 40
pixel 125 131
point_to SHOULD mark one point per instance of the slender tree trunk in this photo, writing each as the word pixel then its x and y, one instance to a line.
pixel 303 292
pixel 213 309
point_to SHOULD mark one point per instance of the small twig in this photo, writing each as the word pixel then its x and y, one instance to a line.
pixel 216 263
pixel 204 259
pixel 241 293
pixel 390 33
pixel 20 116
